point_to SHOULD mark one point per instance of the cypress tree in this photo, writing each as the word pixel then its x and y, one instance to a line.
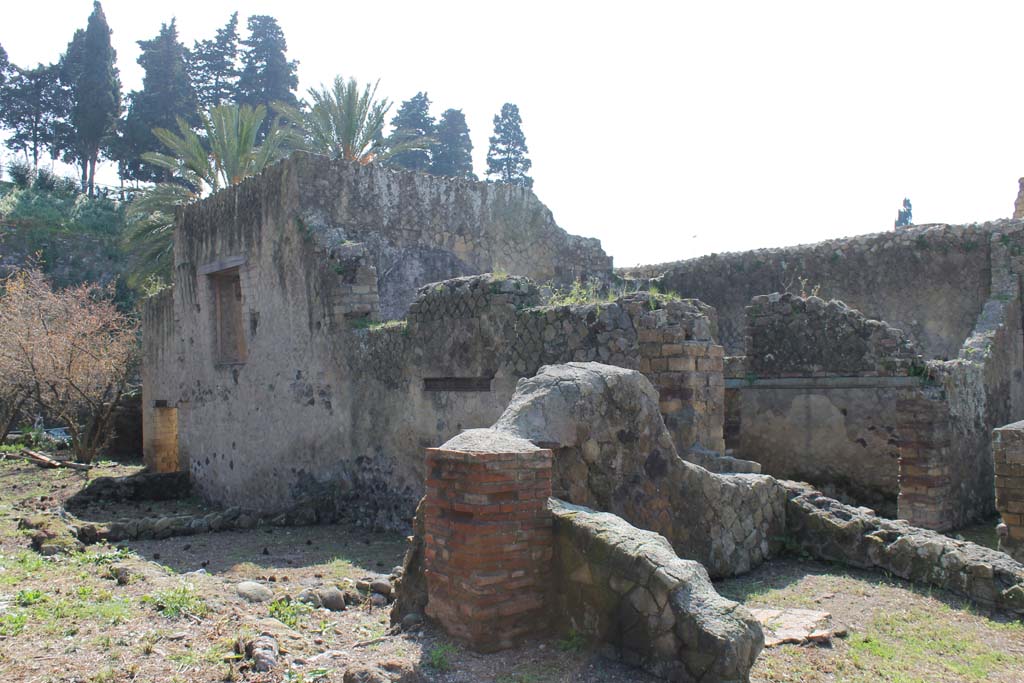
pixel 506 157
pixel 213 66
pixel 412 122
pixel 166 94
pixel 94 89
pixel 267 75
pixel 453 153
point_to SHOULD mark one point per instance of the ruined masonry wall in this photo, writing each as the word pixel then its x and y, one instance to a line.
pixel 626 587
pixel 793 336
pixel 902 277
pixel 417 228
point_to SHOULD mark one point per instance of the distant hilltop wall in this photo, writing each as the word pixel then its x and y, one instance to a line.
pixel 929 281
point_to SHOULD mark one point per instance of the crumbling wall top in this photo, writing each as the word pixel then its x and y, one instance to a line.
pixel 793 336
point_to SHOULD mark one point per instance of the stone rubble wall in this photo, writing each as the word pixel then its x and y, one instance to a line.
pixel 868 422
pixel 794 336
pixel 626 587
pixel 417 228
pixel 614 453
pixel 1008 452
pixel 946 468
pixel 834 532
pixel 902 277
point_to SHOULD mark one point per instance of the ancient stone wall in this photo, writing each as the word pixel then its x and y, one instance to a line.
pixel 834 532
pixel 325 416
pixel 614 453
pixel 159 415
pixel 794 336
pixel 417 228
pixel 841 401
pixel 905 278
pixel 626 587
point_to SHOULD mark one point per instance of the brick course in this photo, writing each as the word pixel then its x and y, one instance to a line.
pixel 488 543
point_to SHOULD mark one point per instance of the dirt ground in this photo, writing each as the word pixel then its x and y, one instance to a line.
pixel 178 617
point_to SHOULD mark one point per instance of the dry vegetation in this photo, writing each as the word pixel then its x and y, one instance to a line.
pixel 65 353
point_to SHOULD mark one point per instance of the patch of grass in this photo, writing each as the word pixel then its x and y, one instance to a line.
pixel 62 615
pixel 295 676
pixel 439 657
pixel 574 641
pixel 12 623
pixel 287 612
pixel 179 601
pixel 105 675
pixel 27 597
pixel 931 643
pixel 580 294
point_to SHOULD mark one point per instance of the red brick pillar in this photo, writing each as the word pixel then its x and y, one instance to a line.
pixel 488 543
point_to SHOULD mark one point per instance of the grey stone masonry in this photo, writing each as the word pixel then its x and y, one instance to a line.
pixel 793 336
pixel 626 587
pixel 832 531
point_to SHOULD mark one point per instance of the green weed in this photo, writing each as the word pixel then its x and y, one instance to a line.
pixel 287 612
pixel 438 657
pixel 177 602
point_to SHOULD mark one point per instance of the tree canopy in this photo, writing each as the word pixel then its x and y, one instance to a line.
pixel 412 122
pixel 88 71
pixel 35 111
pixel 213 66
pixel 506 158
pixel 166 95
pixel 267 75
pixel 452 153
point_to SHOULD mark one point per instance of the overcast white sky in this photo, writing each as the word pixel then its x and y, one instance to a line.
pixel 670 130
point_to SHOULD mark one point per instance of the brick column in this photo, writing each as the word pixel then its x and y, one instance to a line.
pixel 927 493
pixel 1008 453
pixel 488 542
pixel 691 388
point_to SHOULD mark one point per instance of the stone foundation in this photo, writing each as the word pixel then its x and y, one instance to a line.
pixel 487 548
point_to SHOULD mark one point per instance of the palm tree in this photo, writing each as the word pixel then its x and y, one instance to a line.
pixel 346 123
pixel 223 155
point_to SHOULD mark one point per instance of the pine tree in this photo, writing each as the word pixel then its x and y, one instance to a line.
pixel 267 75
pixel 453 152
pixel 166 94
pixel 33 107
pixel 213 66
pixel 412 122
pixel 905 216
pixel 94 89
pixel 506 157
